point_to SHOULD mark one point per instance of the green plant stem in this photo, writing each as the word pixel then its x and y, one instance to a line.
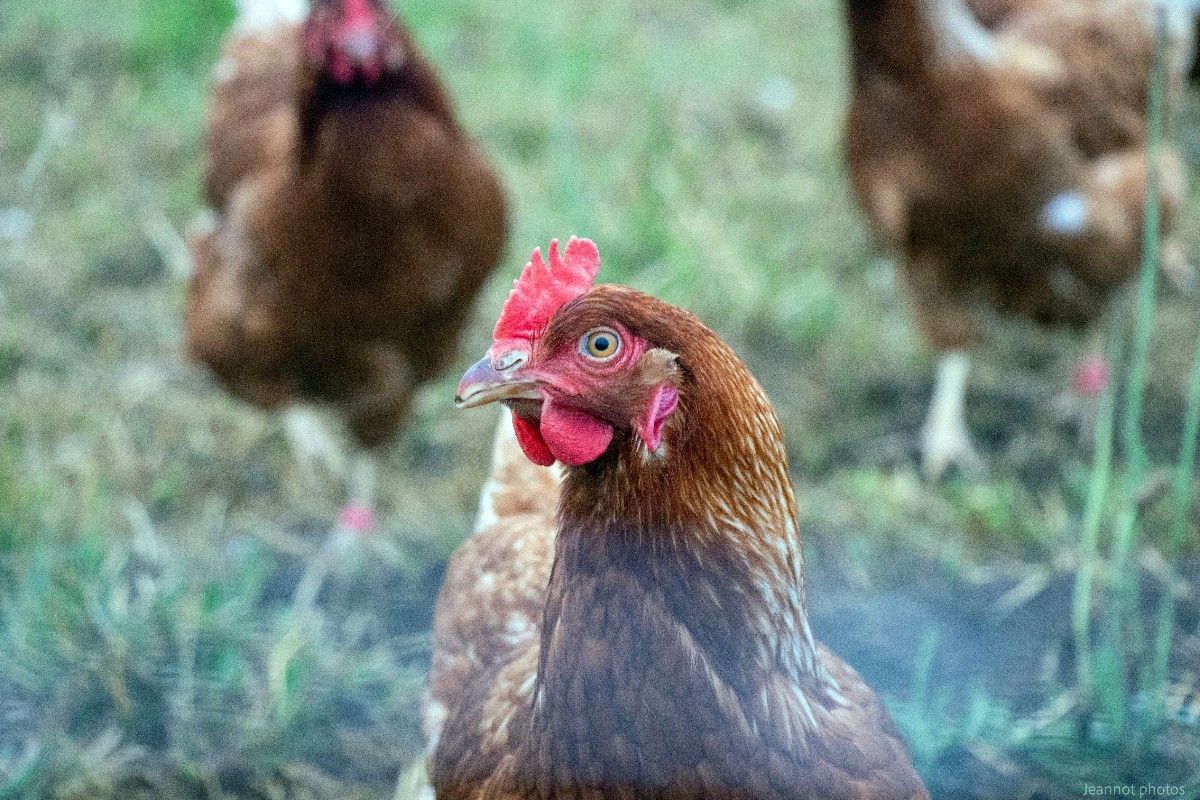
pixel 1123 632
pixel 302 619
pixel 1128 627
pixel 1135 389
pixel 1181 497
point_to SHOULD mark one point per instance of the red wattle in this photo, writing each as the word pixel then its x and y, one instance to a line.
pixel 574 437
pixel 531 441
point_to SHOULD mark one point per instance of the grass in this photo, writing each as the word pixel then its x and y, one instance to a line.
pixel 154 533
pixel 1124 671
pixel 116 646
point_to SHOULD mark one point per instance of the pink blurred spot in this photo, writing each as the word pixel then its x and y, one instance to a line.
pixel 359 12
pixel 340 66
pixel 1090 377
pixel 358 517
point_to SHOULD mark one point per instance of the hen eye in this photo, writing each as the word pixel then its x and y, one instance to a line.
pixel 602 344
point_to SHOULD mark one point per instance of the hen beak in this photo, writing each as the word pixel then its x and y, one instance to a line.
pixel 484 383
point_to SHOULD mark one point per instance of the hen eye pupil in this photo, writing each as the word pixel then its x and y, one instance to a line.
pixel 600 344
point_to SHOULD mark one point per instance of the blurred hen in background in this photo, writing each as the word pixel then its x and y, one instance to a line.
pixel 998 150
pixel 354 224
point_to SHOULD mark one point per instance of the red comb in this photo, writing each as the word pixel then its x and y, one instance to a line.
pixel 541 290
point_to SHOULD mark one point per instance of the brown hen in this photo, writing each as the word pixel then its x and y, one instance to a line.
pixel 355 221
pixel 999 153
pixel 649 637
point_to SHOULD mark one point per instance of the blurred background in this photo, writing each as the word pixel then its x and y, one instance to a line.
pixel 153 531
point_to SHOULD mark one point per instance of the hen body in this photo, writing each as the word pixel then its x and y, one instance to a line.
pixel 999 152
pixel 649 637
pixel 355 222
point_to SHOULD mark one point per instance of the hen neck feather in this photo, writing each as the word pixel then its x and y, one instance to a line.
pixel 887 37
pixel 415 83
pixel 911 40
pixel 704 533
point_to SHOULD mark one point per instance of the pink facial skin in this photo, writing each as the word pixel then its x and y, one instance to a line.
pixel 582 396
pixel 567 430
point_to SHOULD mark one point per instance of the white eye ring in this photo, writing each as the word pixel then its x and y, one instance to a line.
pixel 600 344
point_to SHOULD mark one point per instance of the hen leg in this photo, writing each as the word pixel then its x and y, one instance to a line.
pixel 944 437
pixel 948 323
pixel 1076 403
pixel 358 515
pixel 317 449
pixel 1179 271
pixel 374 415
pixel 1091 374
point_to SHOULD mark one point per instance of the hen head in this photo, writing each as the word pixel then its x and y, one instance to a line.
pixel 571 362
pixel 353 40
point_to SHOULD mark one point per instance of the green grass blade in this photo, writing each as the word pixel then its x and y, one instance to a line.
pixel 1181 499
pixel 1129 638
pixel 1135 389
pixel 1124 632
